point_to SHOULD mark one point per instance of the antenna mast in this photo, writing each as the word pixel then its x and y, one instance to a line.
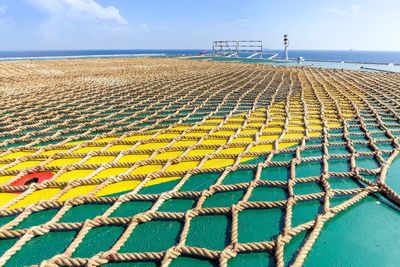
pixel 286 43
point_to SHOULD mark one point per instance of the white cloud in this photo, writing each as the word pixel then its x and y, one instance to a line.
pixel 81 8
pixel 339 11
pixel 355 8
pixel 335 10
pixel 244 20
pixel 93 8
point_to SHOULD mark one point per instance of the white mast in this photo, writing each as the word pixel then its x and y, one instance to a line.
pixel 286 43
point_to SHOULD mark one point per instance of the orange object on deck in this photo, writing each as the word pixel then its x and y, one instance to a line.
pixel 34 177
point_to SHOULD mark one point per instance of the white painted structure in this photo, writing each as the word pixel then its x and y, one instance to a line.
pixel 286 43
pixel 234 48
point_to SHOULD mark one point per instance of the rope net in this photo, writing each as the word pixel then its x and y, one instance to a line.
pixel 158 159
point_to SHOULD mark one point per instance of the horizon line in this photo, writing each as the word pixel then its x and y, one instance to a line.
pixel 131 49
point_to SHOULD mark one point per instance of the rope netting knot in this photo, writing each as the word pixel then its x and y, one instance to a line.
pixel 229 139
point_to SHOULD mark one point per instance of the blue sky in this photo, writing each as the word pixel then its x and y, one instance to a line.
pixel 128 24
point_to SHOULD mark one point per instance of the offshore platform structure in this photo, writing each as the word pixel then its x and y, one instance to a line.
pixel 234 48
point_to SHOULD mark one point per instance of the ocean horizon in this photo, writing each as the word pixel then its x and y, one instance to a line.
pixel 382 57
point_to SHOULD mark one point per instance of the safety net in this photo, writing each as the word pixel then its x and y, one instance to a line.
pixel 174 162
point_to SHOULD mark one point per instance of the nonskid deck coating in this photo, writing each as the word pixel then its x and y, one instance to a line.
pixel 232 144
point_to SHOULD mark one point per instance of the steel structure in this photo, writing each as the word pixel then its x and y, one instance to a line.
pixel 286 44
pixel 234 48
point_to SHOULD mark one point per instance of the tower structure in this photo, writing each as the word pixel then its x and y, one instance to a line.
pixel 286 44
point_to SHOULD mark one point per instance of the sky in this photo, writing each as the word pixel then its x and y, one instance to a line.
pixel 190 24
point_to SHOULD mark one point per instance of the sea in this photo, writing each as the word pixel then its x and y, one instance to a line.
pixel 380 57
